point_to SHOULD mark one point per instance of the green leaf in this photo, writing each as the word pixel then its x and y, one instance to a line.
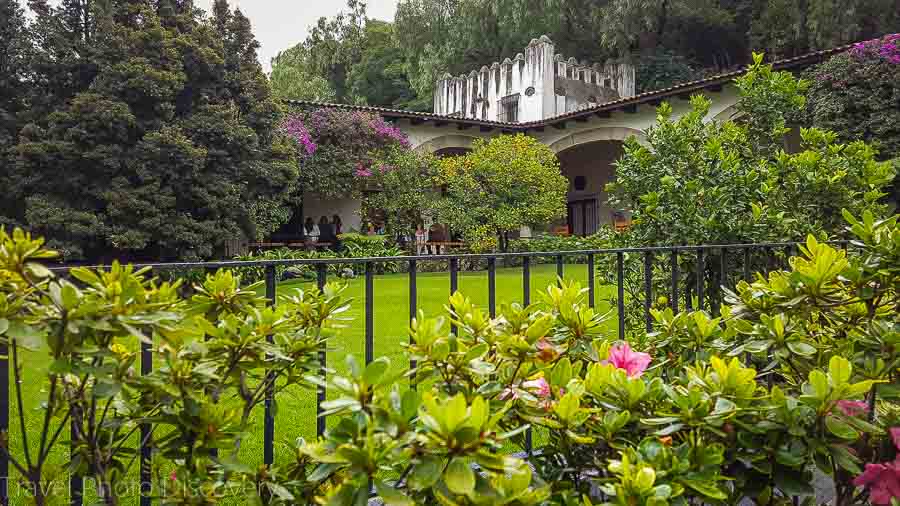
pixel 793 483
pixel 707 488
pixel 801 348
pixel 840 428
pixel 425 473
pixel 459 477
pixel 839 369
pixel 4 325
pixel 392 496
pixel 375 371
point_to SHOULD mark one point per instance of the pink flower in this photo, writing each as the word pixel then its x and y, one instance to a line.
pixel 362 171
pixel 508 393
pixel 173 476
pixel 634 363
pixel 853 408
pixel 546 350
pixel 540 387
pixel 882 480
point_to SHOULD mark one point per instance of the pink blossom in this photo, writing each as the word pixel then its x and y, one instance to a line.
pixel 882 480
pixel 173 476
pixel 362 171
pixel 634 363
pixel 853 408
pixel 508 393
pixel 540 386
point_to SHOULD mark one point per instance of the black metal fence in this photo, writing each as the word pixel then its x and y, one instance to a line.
pixel 697 284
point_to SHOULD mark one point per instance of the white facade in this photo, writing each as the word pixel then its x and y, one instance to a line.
pixel 536 85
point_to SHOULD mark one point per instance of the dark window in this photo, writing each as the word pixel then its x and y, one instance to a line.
pixel 607 82
pixel 509 69
pixel 580 183
pixel 509 108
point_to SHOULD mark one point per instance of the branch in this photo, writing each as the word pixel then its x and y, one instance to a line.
pixel 18 379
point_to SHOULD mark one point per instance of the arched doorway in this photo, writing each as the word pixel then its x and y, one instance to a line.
pixel 589 167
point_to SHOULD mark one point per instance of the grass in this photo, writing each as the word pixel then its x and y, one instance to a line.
pixel 296 409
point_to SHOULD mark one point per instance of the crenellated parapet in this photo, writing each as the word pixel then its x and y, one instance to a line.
pixel 534 85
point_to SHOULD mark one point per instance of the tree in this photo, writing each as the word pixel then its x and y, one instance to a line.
pixel 503 184
pixel 698 182
pixel 154 133
pixel 14 49
pixel 402 186
pixel 340 149
pixel 378 78
pixel 292 79
pixel 857 95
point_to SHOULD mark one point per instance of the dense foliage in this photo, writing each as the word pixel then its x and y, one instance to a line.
pixel 340 149
pixel 146 131
pixel 798 374
pixel 503 184
pixel 857 94
pixel 698 182
pixel 430 37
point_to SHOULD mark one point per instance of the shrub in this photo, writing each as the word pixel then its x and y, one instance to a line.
pixel 707 409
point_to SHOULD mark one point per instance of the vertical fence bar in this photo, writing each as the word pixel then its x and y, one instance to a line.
pixel 620 283
pixel 719 298
pixel 648 289
pixel 526 301
pixel 675 275
pixel 413 308
pixel 591 283
pixel 559 269
pixel 321 279
pixel 269 420
pixel 4 421
pixel 747 266
pixel 370 313
pixel 492 287
pixel 454 283
pixel 701 278
pixel 770 260
pixel 526 281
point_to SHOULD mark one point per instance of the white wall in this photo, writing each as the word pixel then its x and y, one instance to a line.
pixel 348 209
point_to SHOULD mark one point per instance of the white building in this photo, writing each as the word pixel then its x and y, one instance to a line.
pixel 587 138
pixel 535 85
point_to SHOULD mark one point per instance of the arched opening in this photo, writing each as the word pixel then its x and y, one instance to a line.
pixel 589 167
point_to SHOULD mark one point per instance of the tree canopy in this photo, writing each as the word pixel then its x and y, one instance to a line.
pixel 670 41
pixel 147 131
pixel 698 182
pixel 505 183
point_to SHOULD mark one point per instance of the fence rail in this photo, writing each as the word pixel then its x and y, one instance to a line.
pixel 705 290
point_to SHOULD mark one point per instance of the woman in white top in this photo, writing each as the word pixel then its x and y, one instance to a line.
pixel 311 230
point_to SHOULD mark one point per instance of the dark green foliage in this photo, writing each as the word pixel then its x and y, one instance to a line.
pixel 152 133
pixel 857 96
pixel 656 72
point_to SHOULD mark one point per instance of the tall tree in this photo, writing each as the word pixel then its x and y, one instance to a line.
pixel 292 78
pixel 159 137
pixel 14 50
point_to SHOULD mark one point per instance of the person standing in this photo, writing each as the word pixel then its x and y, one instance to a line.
pixel 421 240
pixel 337 224
pixel 311 230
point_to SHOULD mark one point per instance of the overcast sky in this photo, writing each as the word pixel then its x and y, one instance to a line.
pixel 280 24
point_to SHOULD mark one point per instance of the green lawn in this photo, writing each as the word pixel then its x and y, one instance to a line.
pixel 296 409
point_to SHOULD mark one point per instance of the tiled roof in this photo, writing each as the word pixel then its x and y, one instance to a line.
pixel 651 97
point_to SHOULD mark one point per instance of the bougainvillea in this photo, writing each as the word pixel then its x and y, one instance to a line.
pixel 887 48
pixel 340 148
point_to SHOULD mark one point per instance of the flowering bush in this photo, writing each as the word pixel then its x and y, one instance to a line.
pixel 886 48
pixel 339 148
pixel 712 408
